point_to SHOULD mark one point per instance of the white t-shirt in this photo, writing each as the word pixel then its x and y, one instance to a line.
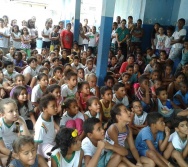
pixel 44 131
pixel 9 57
pixel 46 32
pixel 36 93
pixel 161 42
pixel 66 118
pixel 139 120
pixel 25 111
pixel 3 40
pixel 87 71
pixel 90 116
pixel 177 35
pixel 7 134
pixel 125 100
pixel 80 39
pixel 168 41
pixel 80 65
pixel 66 92
pixel 177 142
pixel 62 162
pixel 29 70
pixel 10 76
pixel 92 38
pixel 112 35
pixel 17 44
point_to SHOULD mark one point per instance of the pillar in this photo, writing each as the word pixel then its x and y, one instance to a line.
pixel 104 40
pixel 77 20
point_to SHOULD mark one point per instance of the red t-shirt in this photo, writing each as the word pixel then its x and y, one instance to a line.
pixel 123 67
pixel 67 39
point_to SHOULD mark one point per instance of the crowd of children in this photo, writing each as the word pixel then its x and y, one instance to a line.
pixel 53 113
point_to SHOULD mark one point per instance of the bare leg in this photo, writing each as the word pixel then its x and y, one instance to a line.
pixel 179 158
pixel 114 160
pixel 128 163
pixel 122 164
pixel 168 152
pixel 147 162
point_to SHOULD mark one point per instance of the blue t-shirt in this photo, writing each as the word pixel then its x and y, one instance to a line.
pixel 184 98
pixel 184 58
pixel 146 134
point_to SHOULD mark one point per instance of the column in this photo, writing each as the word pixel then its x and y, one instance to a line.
pixel 104 40
pixel 77 20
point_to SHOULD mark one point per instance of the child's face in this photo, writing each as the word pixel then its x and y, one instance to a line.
pixel 160 125
pixel 12 50
pixel 144 83
pixel 139 57
pixel 10 113
pixel 56 52
pixel 169 33
pixel 155 75
pixel 81 74
pixel 64 54
pixel 56 62
pixel 163 95
pixel 76 61
pixel 86 89
pixel 183 88
pixel 98 132
pixel 113 60
pixel 73 81
pixel 10 68
pixel 119 52
pixel 23 96
pixel 33 64
pixel 73 108
pixel 109 83
pixel 27 154
pixel 130 71
pixel 182 128
pixel 162 56
pixel 61 25
pixel 17 57
pixel 92 82
pixel 57 93
pixel 180 24
pixel 44 81
pixel 125 114
pixel 186 45
pixel 136 68
pixel 58 74
pixel 90 65
pixel 107 95
pixel 130 60
pixel 84 55
pixel 51 108
pixel 39 59
pixel 20 81
pixel 180 78
pixel 149 52
pixel 95 106
pixel 52 56
pixel 153 61
pixel 43 51
pixel 47 65
pixel 68 27
pixel 157 84
pixel 120 92
pixel 93 30
pixel 137 108
pixel 161 31
pixel 125 78
pixel 156 27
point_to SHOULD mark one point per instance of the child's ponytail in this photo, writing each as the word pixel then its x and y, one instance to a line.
pixel 114 111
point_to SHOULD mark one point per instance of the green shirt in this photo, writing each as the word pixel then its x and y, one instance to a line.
pixel 122 33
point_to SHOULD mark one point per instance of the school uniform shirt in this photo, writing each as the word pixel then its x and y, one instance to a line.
pixel 92 39
pixel 63 162
pixel 10 76
pixel 7 134
pixel 90 116
pixel 66 92
pixel 3 40
pixel 139 120
pixel 45 131
pixel 167 42
pixel 25 111
pixel 184 98
pixel 29 70
pixel 17 44
pixel 9 57
pixel 46 32
pixel 80 65
pixel 177 142
pixel 66 118
pixel 124 100
pixel 87 71
pixel 36 93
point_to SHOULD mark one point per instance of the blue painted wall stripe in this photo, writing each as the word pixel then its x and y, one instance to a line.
pixel 76 29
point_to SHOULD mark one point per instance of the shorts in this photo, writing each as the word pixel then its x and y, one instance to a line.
pixel 46 44
pixel 104 159
pixel 43 149
pixel 175 53
pixel 142 152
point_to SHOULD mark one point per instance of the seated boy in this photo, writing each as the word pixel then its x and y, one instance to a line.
pixel 93 146
pixel 178 147
pixel 119 95
pixel 150 141
pixel 76 63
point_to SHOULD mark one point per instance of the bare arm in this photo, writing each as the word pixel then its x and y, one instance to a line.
pixel 163 143
pixel 41 161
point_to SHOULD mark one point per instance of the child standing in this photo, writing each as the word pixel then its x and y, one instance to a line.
pixel 119 95
pixel 106 102
pixel 177 147
pixel 168 40
pixel 67 151
pixel 26 154
pixel 25 106
pixel 25 41
pixel 94 108
pixel 118 131
pixel 150 141
pixel 160 40
pixel 12 125
pixel 54 37
pixel 72 118
pixel 45 131
pixel 138 117
pixel 16 36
